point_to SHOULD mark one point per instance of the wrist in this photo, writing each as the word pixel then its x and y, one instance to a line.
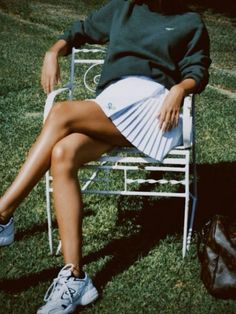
pixel 179 89
pixel 186 86
pixel 59 48
pixel 52 52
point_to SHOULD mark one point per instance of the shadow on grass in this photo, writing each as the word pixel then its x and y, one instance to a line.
pixel 216 191
pixel 155 224
pixel 36 228
pixel 216 194
pixel 157 219
pixel 25 282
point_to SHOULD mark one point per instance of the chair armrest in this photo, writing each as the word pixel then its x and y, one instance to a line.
pixel 50 100
pixel 187 121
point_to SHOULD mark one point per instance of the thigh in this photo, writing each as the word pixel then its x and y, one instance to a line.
pixel 88 118
pixel 82 148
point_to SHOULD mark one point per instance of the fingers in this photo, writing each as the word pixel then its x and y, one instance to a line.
pixel 47 85
pixel 50 72
pixel 168 119
pixel 169 113
pixel 48 81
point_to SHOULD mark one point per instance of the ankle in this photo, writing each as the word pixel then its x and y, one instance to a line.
pixel 4 219
pixel 5 213
pixel 77 272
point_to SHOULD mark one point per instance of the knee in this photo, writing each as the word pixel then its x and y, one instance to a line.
pixel 59 114
pixel 63 159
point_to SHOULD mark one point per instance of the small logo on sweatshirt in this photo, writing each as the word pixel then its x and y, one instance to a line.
pixel 170 28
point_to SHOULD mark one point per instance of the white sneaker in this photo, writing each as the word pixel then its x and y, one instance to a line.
pixel 7 233
pixel 66 292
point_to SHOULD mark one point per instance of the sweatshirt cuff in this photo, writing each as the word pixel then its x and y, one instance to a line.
pixel 200 83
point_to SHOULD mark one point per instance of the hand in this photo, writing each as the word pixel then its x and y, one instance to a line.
pixel 50 74
pixel 169 113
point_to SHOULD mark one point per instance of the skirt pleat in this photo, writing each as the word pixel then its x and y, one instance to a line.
pixel 137 124
pixel 138 121
pixel 127 125
pixel 149 128
pixel 152 135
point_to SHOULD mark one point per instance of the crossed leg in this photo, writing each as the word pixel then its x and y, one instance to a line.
pixel 65 118
pixel 75 132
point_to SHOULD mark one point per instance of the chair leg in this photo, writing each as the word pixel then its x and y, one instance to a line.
pixel 190 228
pixel 58 251
pixel 194 199
pixel 185 229
pixel 186 206
pixel 49 215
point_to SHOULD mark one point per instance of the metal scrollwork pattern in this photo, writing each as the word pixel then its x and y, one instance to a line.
pixel 91 83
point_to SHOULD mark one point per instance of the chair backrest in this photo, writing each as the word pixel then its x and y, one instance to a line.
pixel 93 58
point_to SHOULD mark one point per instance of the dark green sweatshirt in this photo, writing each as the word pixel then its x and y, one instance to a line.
pixel 167 48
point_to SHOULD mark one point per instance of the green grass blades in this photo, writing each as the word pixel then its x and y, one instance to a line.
pixel 132 246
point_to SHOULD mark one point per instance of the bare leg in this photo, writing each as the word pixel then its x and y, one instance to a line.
pixel 65 118
pixel 67 156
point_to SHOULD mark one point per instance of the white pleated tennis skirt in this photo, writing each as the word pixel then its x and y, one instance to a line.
pixel 133 104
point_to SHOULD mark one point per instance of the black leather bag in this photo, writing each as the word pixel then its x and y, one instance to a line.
pixel 217 254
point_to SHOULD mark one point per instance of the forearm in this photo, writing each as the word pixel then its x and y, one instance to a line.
pixel 186 86
pixel 51 71
pixel 60 48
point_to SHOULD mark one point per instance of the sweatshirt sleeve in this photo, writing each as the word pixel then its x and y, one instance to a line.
pixel 196 60
pixel 94 29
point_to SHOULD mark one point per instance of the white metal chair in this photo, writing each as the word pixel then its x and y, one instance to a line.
pixel 129 161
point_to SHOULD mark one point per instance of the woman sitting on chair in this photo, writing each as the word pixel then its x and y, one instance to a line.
pixel 157 53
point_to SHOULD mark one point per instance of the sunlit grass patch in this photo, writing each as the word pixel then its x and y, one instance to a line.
pixel 132 245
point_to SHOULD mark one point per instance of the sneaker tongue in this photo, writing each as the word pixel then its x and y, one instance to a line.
pixel 65 273
pixel 61 280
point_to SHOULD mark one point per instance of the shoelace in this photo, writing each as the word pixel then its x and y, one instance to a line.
pixel 53 288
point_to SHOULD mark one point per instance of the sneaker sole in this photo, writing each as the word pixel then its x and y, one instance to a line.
pixel 89 297
pixel 7 242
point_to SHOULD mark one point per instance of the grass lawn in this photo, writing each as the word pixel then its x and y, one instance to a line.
pixel 132 248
